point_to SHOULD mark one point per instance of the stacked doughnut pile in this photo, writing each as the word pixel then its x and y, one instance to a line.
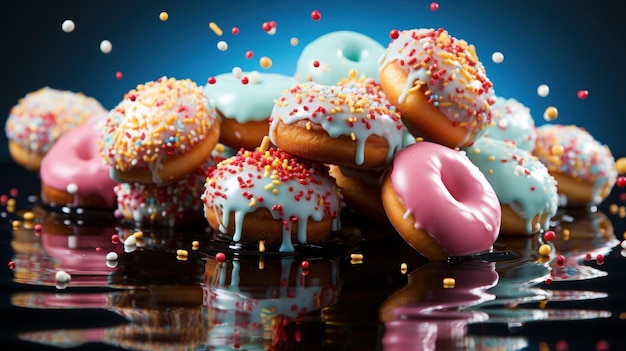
pixel 410 135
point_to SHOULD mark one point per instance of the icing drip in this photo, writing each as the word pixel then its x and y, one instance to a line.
pixel 292 189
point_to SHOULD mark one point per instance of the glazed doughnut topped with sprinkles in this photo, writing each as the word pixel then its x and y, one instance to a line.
pixel 449 68
pixel 155 122
pixel 294 190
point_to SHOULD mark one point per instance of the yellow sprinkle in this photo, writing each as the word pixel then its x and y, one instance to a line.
pixel 16 224
pixel 195 245
pixel 565 233
pixel 275 191
pixel 252 202
pixel 476 151
pixel 216 29
pixel 403 268
pixel 268 186
pixel 551 113
pixel 491 158
pixel 261 245
pixel 11 202
pixel 163 16
pixel 138 234
pixel 308 125
pixel 265 144
pixel 356 256
pixel 261 262
pixel 556 150
pixel 545 249
pixel 449 283
pixel 182 253
pixel 293 41
pixel 620 164
pixel 490 171
pixel 28 216
pixel 265 62
pixel 352 136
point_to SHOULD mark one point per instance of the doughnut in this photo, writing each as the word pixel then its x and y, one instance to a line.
pixel 160 132
pixel 360 190
pixel 345 125
pixel 41 117
pixel 172 204
pixel 438 84
pixel 526 191
pixel 440 202
pixel 513 122
pixel 330 57
pixel 244 108
pixel 584 168
pixel 73 173
pixel 271 195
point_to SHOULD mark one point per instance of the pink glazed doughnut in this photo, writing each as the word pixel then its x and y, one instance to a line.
pixel 73 173
pixel 440 202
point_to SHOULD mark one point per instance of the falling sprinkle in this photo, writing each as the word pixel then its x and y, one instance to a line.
pixel 68 26
pixel 582 94
pixel 549 235
pixel 316 15
pixel 106 46
pixel 222 45
pixel 249 54
pixel 11 265
pixel 220 257
pixel 163 16
pixel 216 29
pixel 119 75
pixel 620 182
pixel 305 264
pixel 551 113
pixel 293 41
pixel 620 165
pixel 269 27
pixel 235 30
pixel 394 34
pixel 497 57
pixel 434 6
pixel 543 90
pixel 265 62
pixel 403 268
pixel 237 72
pixel 211 80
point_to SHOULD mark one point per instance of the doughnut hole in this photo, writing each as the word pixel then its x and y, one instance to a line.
pixel 352 52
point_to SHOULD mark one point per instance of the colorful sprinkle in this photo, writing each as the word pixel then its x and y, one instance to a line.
pixel 293 41
pixel 582 94
pixel 106 46
pixel 545 249
pixel 119 75
pixel 220 257
pixel 68 26
pixel 543 90
pixel 549 235
pixel 249 54
pixel 265 62
pixel 394 34
pixel 551 113
pixel 234 30
pixel 434 6
pixel 449 283
pixel 222 45
pixel 163 16
pixel 316 15
pixel 497 57
pixel 216 29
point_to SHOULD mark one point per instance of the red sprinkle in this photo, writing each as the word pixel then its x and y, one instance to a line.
pixel 235 30
pixel 621 181
pixel 211 80
pixel 549 235
pixel 13 192
pixel 316 15
pixel 548 281
pixel 249 54
pixel 394 34
pixel 11 265
pixel 115 239
pixel 244 80
pixel 220 257
pixel 582 94
pixel 316 63
pixel 434 6
pixel 560 260
pixel 305 264
pixel 119 75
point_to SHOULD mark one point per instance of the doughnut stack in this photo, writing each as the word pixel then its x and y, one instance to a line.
pixel 158 143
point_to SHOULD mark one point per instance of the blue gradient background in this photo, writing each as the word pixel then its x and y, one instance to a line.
pixel 568 45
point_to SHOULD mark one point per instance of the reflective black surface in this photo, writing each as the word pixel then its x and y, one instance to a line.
pixel 153 298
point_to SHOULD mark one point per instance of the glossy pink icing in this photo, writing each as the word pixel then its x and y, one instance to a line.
pixel 448 197
pixel 74 163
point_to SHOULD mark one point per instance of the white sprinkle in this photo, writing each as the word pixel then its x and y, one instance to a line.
pixel 519 170
pixel 111 263
pixel 488 227
pixel 130 241
pixel 72 188
pixel 222 45
pixel 112 256
pixel 255 77
pixel 62 276
pixel 543 90
pixel 106 46
pixel 272 31
pixel 237 72
pixel 68 26
pixel 623 244
pixel 497 57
